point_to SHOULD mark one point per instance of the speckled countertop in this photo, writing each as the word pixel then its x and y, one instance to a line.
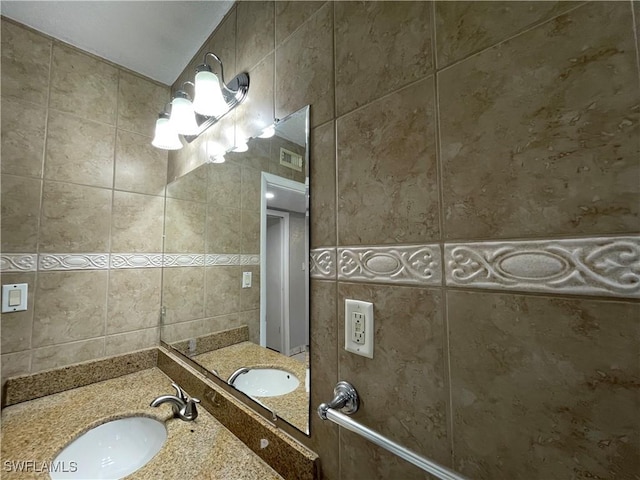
pixel 292 407
pixel 38 429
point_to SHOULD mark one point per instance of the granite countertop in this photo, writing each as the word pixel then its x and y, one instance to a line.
pixel 292 407
pixel 37 430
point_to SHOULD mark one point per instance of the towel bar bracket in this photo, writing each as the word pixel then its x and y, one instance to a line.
pixel 345 399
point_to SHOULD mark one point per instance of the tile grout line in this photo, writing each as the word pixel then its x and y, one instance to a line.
pixel 441 218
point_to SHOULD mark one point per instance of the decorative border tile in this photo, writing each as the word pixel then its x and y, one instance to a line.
pixel 587 266
pixel 136 260
pixel 223 259
pixel 73 261
pixel 323 263
pixel 18 262
pixel 183 260
pixel 252 259
pixel 409 265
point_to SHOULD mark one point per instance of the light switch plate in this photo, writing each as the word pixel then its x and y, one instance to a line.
pixel 358 327
pixel 246 279
pixel 14 297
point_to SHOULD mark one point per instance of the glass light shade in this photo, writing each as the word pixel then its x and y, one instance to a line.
pixel 218 158
pixel 268 132
pixel 166 137
pixel 241 147
pixel 183 118
pixel 208 97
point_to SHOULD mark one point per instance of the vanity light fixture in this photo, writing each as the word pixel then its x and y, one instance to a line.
pixel 213 99
pixel 166 137
pixel 183 116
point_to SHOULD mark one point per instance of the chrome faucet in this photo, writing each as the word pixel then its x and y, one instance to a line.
pixel 183 406
pixel 236 374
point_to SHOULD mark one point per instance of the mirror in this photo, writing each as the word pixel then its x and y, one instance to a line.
pixel 236 274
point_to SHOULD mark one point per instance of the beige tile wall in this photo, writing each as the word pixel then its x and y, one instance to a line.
pixel 78 176
pixel 461 121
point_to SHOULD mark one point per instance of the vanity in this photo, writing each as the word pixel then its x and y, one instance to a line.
pixel 35 431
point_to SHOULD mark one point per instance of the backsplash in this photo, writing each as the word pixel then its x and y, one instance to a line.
pixel 82 197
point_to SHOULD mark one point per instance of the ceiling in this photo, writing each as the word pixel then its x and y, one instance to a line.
pixel 154 38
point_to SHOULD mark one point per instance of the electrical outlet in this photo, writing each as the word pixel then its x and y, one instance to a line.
pixel 358 327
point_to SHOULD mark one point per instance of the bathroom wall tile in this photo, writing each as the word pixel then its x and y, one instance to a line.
pixel 291 14
pixel 83 85
pixel 413 369
pixel 222 293
pixel 224 230
pixel 184 226
pixel 323 186
pixel 191 186
pixel 251 188
pixel 60 316
pixel 257 110
pixel 137 223
pixel 15 363
pixel 139 103
pixel 23 133
pixel 79 150
pixel 388 148
pixel 190 156
pixel 67 354
pixel 23 54
pixel 75 218
pixel 132 341
pixel 224 185
pixel 380 47
pixel 255 37
pixel 250 297
pixel 463 28
pixel 20 212
pixel 251 319
pixel 224 323
pixel 183 293
pixel 323 357
pixel 529 136
pixel 16 326
pixel 250 232
pixel 183 331
pixel 134 299
pixel 304 69
pixel 560 374
pixel 18 262
pixel 256 158
pixel 140 167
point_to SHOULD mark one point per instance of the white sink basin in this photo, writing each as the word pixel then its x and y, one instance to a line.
pixel 112 450
pixel 266 382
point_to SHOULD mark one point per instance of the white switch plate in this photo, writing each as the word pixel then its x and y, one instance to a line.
pixel 358 327
pixel 18 294
pixel 246 279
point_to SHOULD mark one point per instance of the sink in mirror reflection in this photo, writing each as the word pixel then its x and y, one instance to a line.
pixel 236 276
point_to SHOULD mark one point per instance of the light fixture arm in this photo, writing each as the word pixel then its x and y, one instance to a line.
pixel 217 59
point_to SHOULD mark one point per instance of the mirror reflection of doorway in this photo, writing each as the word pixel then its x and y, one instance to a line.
pixel 277 276
pixel 284 266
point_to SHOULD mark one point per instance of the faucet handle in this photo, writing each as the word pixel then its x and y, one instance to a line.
pixel 190 411
pixel 179 392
